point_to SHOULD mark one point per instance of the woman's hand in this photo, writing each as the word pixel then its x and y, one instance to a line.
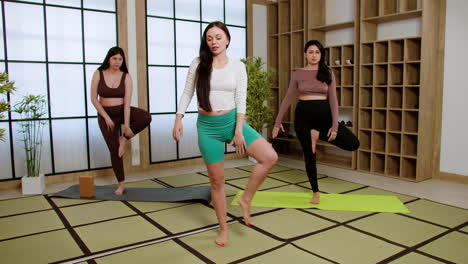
pixel 275 131
pixel 128 133
pixel 331 135
pixel 110 124
pixel 239 143
pixel 177 131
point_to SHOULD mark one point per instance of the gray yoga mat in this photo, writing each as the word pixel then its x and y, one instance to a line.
pixel 182 194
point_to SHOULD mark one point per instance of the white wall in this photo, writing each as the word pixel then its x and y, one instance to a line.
pixel 339 11
pixel 259 13
pixel 454 141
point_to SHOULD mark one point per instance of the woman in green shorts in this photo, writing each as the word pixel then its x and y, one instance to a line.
pixel 221 85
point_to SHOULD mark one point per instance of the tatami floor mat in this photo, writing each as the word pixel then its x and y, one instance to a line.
pixel 41 248
pixel 79 228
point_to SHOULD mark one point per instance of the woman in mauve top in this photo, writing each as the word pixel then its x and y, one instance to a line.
pixel 316 114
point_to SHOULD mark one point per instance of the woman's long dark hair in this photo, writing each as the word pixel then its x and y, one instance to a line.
pixel 203 74
pixel 324 73
pixel 114 51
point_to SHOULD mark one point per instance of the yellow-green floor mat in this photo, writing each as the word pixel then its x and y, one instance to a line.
pixel 43 229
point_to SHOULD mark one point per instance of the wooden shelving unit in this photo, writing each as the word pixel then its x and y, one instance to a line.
pixel 390 87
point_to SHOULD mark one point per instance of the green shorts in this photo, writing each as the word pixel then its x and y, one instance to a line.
pixel 214 131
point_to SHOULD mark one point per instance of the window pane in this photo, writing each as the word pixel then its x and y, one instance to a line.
pixel 90 69
pixel 161 89
pixel 74 3
pixel 108 5
pixel 3 97
pixel 66 90
pixel 181 78
pixel 212 10
pixel 188 41
pixel 2 45
pixel 64 39
pixel 188 146
pixel 163 146
pixel 237 47
pixel 100 35
pixel 188 9
pixel 69 144
pixel 235 12
pixel 160 41
pixel 30 78
pixel 19 153
pixel 99 155
pixel 5 154
pixel 163 8
pixel 25 32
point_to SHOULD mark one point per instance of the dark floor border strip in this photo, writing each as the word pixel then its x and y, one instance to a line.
pixel 287 169
pixel 434 257
pixel 25 213
pixel 293 239
pixel 376 236
pixel 193 251
pixel 105 220
pixel 317 255
pixel 147 218
pixel 32 234
pixel 162 182
pixel 357 189
pixel 424 221
pixel 69 227
pixel 412 201
pixel 73 205
pixel 258 254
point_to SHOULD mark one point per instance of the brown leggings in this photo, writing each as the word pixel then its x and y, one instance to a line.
pixel 139 120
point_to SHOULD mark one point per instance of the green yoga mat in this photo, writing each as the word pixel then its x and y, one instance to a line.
pixel 337 202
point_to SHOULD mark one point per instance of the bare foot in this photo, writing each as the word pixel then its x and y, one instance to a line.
pixel 120 190
pixel 122 141
pixel 245 205
pixel 315 135
pixel 315 198
pixel 222 238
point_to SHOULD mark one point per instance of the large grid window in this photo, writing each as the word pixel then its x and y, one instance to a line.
pixel 174 29
pixel 52 47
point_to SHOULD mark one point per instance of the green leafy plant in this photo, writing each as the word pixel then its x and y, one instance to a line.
pixel 258 114
pixel 5 87
pixel 31 109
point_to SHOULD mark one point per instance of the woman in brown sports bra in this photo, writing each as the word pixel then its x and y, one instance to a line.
pixel 111 93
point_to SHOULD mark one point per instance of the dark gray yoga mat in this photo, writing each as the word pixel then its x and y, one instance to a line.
pixel 182 194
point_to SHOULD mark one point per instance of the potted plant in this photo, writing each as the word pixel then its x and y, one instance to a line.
pixel 258 114
pixel 32 108
pixel 5 87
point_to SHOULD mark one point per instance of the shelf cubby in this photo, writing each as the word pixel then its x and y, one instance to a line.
pixel 396 50
pixel 381 52
pixel 365 138
pixel 347 54
pixel 392 167
pixel 413 49
pixel 394 120
pixel 388 7
pixel 379 119
pixel 327 56
pixel 297 54
pixel 297 15
pixel 396 74
pixel 367 55
pixel 410 121
pixel 364 160
pixel 378 163
pixel 347 96
pixel 272 19
pixel 337 73
pixel 335 56
pixel 338 96
pixel 284 17
pixel 370 8
pixel 366 75
pixel 393 143
pixel 408 5
pixel 408 168
pixel 348 76
pixel 378 141
pixel 411 98
pixel 410 145
pixel 273 58
pixel 395 97
pixel 412 73
pixel 380 77
pixel 365 119
pixel 365 97
pixel 380 97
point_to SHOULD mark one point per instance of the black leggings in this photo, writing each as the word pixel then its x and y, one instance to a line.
pixel 316 114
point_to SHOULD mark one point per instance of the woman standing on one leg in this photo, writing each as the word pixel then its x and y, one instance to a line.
pixel 221 85
pixel 111 93
pixel 316 114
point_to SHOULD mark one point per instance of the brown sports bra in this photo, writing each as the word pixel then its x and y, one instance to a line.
pixel 107 92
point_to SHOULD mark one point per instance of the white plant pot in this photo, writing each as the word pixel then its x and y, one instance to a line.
pixel 33 185
pixel 252 159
